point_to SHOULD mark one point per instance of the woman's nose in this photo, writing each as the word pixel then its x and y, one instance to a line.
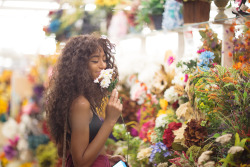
pixel 102 64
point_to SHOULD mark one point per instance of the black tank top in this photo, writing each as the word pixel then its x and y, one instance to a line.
pixel 94 125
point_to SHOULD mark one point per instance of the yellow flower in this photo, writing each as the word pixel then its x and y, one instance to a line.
pixel 3 106
pixel 202 104
pixel 27 164
pixel 163 104
pixel 170 112
pixel 160 112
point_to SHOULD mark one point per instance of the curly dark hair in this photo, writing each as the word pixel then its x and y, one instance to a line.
pixel 71 79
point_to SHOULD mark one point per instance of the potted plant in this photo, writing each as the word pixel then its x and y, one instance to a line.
pixel 195 11
pixel 150 11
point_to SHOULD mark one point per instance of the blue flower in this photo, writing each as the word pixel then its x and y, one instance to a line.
pixel 54 26
pixel 166 154
pixel 207 55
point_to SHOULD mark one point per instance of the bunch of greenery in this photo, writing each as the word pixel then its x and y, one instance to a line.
pixel 223 93
pixel 147 9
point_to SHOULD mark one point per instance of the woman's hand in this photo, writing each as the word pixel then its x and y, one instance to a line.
pixel 115 158
pixel 114 107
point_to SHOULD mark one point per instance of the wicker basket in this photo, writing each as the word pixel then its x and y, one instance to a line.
pixel 196 11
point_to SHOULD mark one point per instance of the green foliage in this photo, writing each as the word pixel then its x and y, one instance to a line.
pixel 46 155
pixel 149 8
pixel 191 66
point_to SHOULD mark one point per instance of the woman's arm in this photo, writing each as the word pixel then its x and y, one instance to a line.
pixel 83 153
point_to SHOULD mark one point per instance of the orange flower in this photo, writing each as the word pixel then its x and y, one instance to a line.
pixel 230 54
pixel 241 58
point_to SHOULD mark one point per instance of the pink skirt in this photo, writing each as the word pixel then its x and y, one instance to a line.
pixel 101 161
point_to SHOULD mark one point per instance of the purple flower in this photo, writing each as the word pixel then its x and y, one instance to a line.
pixel 9 151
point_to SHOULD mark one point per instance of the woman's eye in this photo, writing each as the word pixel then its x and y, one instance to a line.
pixel 94 61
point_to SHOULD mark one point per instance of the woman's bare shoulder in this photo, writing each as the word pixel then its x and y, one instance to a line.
pixel 80 103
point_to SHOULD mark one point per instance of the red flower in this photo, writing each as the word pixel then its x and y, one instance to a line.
pixel 168 136
pixel 174 125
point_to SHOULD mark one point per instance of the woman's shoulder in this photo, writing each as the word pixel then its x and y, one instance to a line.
pixel 81 103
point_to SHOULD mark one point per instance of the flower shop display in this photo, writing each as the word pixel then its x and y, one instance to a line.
pixel 65 23
pixel 5 94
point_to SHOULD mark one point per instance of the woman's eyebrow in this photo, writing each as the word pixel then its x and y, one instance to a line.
pixel 95 56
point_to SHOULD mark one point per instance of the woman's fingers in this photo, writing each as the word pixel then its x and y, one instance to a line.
pixel 112 97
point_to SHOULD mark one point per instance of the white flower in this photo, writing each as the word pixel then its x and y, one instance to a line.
pixel 179 79
pixel 170 95
pixel 138 92
pixel 105 77
pixel 22 144
pixel 144 153
pixel 105 83
pixel 224 139
pixel 209 164
pixel 161 121
pixel 96 80
pixel 205 156
pixel 153 137
pixel 10 128
pixel 235 149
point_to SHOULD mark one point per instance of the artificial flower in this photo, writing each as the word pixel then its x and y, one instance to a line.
pixel 170 60
pixel 185 112
pixel 163 104
pixel 10 128
pixel 145 128
pixel 205 156
pixel 180 79
pixel 224 139
pixel 159 148
pixel 171 95
pixel 235 149
pixel 161 112
pixel 144 153
pixel 179 134
pixel 161 121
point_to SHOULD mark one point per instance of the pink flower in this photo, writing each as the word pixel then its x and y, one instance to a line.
pixel 145 128
pixel 214 64
pixel 186 78
pixel 201 50
pixel 170 60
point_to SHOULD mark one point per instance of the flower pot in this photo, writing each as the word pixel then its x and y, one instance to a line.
pixel 157 20
pixel 221 4
pixel 196 11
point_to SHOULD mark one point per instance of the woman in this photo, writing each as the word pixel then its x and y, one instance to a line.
pixel 72 99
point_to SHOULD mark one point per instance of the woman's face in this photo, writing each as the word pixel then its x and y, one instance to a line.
pixel 97 63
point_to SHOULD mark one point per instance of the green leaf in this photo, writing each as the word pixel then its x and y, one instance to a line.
pixel 228 84
pixel 237 139
pixel 245 94
pixel 242 142
pixel 216 135
pixel 191 157
pixel 245 73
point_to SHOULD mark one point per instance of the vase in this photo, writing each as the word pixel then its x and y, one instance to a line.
pixel 221 16
pixel 196 11
pixel 157 20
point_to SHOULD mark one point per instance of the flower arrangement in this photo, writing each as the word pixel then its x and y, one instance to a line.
pixel 65 23
pixel 211 43
pixel 241 47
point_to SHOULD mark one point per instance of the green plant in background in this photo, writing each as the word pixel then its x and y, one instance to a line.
pixel 234 153
pixel 46 155
pixel 147 9
pixel 121 134
pixel 222 95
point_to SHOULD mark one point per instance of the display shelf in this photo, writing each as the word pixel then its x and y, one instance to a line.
pixel 186 38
